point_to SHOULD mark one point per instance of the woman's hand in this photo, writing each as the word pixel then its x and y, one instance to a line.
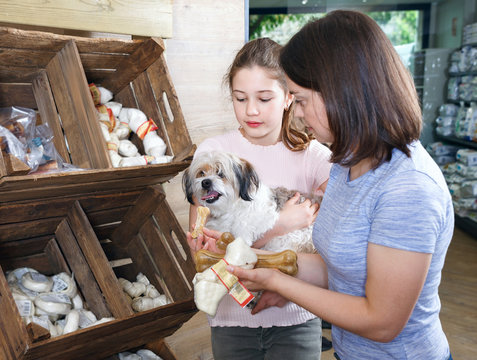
pixel 255 279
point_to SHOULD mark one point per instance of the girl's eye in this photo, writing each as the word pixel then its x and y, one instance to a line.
pixel 265 100
pixel 240 99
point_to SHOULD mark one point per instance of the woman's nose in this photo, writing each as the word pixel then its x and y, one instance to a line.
pixel 298 112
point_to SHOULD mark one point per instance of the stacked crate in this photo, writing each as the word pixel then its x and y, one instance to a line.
pixel 99 223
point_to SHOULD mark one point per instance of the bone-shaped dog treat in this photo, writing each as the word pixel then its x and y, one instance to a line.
pixel 202 213
pixel 225 239
pixel 285 261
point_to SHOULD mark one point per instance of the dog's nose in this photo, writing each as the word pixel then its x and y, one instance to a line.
pixel 206 184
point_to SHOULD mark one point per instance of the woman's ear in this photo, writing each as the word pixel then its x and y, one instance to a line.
pixel 288 100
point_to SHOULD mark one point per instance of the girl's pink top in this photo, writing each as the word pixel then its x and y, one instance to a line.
pixel 276 166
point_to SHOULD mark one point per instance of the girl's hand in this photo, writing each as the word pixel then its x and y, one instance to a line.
pixel 267 300
pixel 195 244
pixel 206 241
pixel 210 239
pixel 293 216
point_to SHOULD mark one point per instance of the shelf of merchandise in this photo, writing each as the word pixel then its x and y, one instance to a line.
pixel 463 223
pixel 457 102
pixel 457 141
pixel 465 73
pixel 466 224
pixel 458 74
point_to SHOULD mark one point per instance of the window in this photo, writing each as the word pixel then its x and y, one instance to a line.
pixel 407 26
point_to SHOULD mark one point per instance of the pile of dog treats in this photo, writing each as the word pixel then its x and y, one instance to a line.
pixel 117 123
pixel 142 294
pixel 52 302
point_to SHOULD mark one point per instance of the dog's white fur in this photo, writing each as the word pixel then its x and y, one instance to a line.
pixel 239 203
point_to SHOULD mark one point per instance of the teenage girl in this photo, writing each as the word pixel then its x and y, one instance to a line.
pixel 282 156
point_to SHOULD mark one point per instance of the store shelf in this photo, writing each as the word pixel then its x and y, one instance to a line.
pixel 456 140
pixel 457 102
pixel 467 225
pixel 464 73
pixel 463 223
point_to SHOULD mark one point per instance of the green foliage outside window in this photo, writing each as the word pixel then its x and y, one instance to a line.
pixel 400 26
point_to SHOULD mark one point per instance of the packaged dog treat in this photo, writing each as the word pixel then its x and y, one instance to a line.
pixel 468 189
pixel 43 156
pixel 439 149
pixel 10 144
pixel 448 109
pixel 19 121
pixel 28 142
pixel 467 157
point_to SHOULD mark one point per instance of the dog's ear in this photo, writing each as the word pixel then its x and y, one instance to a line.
pixel 187 186
pixel 247 179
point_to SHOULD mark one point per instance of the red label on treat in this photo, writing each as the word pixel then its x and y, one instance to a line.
pixel 95 94
pixel 145 128
pixel 112 146
pixel 235 287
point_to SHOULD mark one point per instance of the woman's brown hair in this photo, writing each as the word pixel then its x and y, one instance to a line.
pixel 370 98
pixel 264 53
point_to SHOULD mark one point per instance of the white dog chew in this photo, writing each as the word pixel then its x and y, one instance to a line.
pixel 239 203
pixel 208 289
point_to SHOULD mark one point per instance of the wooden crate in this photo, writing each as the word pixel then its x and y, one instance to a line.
pixel 102 222
pixel 98 238
pixel 50 73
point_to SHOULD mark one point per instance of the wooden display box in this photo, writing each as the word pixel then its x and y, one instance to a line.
pixel 50 73
pixel 98 238
pixel 102 222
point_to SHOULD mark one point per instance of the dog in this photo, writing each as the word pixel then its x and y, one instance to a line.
pixel 239 203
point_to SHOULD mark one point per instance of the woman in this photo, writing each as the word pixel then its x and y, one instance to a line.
pixel 386 219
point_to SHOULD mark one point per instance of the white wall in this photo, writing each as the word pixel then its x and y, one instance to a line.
pixel 206 36
pixel 447 11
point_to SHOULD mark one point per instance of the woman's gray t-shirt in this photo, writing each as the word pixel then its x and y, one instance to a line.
pixel 403 204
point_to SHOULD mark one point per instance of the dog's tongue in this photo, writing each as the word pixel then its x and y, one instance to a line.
pixel 210 195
